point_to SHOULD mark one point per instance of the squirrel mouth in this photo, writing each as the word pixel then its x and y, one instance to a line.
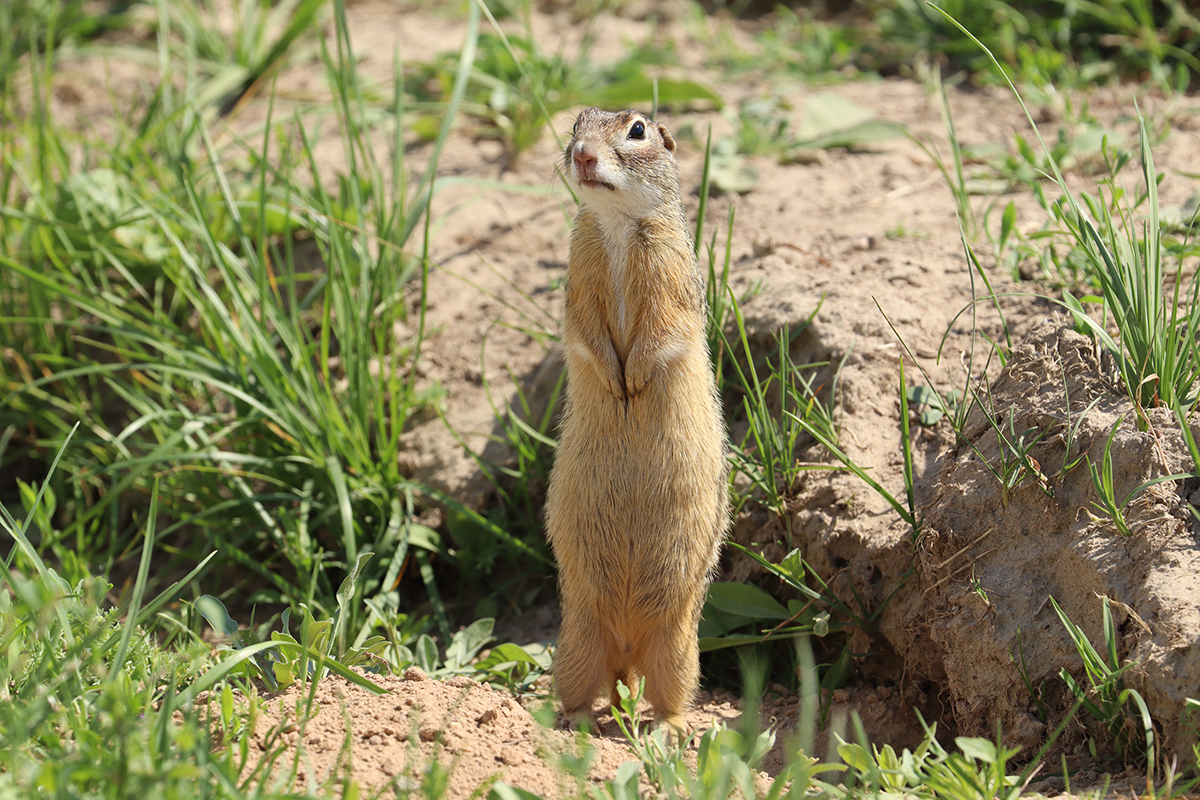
pixel 592 183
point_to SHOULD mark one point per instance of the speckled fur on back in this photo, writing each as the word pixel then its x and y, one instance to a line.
pixel 638 501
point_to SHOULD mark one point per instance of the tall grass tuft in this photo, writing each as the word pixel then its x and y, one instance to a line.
pixel 1156 349
pixel 228 316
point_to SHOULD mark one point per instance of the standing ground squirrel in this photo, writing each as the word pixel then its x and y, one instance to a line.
pixel 638 500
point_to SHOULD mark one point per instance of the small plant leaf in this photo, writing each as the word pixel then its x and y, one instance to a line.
pixel 732 173
pixel 284 675
pixel 856 756
pixel 923 395
pixel 710 643
pixel 509 653
pixel 502 791
pixel 467 643
pixel 345 592
pixel 636 90
pixel 746 600
pixel 827 112
pixel 930 417
pixel 977 749
pixel 1008 223
pixel 625 781
pixel 831 120
pixel 424 537
pixel 217 616
pixel 425 653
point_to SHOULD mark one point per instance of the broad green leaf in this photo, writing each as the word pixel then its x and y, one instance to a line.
pixel 826 112
pixel 217 616
pixel 710 643
pixel 467 643
pixel 626 780
pixel 502 791
pixel 856 756
pixel 284 674
pixel 977 749
pixel 638 89
pixel 831 120
pixel 930 417
pixel 925 396
pixel 425 653
pixel 716 622
pixel 730 741
pixel 507 654
pixel 747 600
pixel 732 173
pixel 794 567
pixel 424 537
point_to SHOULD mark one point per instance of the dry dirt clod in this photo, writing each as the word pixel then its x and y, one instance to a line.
pixel 1040 546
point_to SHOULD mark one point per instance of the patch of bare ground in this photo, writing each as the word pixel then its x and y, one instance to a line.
pixel 479 734
pixel 476 733
pixel 990 563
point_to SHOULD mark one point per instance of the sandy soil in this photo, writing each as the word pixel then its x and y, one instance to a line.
pixel 871 236
pixel 478 733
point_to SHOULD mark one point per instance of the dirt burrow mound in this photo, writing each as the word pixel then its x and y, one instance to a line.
pixel 477 733
pixel 979 607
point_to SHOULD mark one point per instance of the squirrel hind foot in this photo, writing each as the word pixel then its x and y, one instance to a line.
pixel 584 721
pixel 677 728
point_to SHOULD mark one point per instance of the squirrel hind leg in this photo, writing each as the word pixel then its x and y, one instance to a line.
pixel 578 680
pixel 582 668
pixel 671 665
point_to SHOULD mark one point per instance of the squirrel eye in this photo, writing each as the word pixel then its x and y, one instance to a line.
pixel 638 131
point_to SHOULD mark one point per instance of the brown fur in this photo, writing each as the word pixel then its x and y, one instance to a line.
pixel 638 499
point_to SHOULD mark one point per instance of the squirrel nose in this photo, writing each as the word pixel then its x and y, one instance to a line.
pixel 585 160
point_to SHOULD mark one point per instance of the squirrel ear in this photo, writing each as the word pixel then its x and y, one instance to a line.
pixel 668 142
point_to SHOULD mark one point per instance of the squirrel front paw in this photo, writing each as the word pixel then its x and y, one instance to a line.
pixel 615 386
pixel 636 380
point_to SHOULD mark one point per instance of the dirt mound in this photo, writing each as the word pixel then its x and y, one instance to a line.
pixel 990 561
pixel 476 734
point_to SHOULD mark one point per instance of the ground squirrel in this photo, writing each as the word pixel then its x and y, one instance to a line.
pixel 638 500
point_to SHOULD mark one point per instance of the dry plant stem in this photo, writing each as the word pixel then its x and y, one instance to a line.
pixel 958 570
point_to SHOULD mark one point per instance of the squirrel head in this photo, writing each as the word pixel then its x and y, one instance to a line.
pixel 622 161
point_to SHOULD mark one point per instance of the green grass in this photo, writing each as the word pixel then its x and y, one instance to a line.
pixel 103 701
pixel 88 699
pixel 1039 43
pixel 769 456
pixel 228 328
pixel 515 86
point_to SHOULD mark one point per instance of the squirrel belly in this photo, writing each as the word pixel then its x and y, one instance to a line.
pixel 646 505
